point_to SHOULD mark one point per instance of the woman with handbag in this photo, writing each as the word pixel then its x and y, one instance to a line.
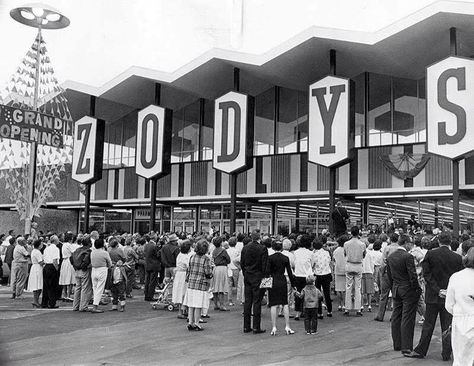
pixel 277 265
pixel 220 282
pixel 198 279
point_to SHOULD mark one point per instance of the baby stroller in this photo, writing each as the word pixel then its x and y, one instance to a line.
pixel 164 298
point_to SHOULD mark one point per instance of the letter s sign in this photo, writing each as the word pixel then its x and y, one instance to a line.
pixel 450 107
pixel 88 150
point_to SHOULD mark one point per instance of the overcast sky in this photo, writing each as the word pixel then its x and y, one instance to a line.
pixel 108 36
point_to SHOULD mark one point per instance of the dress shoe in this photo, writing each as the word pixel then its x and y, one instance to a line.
pixel 259 331
pixel 378 320
pixel 446 358
pixel 329 315
pixel 413 354
pixel 53 307
pixel 359 313
pixel 205 316
pixel 247 330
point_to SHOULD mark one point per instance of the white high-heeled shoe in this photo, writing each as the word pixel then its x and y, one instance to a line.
pixel 273 332
pixel 289 331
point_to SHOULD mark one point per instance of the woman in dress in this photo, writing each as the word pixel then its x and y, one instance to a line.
pixel 277 265
pixel 179 282
pixel 460 303
pixel 220 283
pixel 35 281
pixel 198 279
pixel 67 275
pixel 340 271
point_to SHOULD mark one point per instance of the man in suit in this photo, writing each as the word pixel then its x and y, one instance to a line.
pixel 406 292
pixel 438 266
pixel 253 262
pixel 152 267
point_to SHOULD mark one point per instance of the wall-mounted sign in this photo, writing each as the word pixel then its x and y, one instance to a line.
pixel 153 141
pixel 31 126
pixel 450 107
pixel 233 132
pixel 88 150
pixel 331 121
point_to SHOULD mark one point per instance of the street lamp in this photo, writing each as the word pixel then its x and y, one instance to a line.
pixel 39 16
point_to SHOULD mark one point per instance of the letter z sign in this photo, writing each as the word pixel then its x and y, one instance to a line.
pixel 450 107
pixel 88 150
pixel 331 121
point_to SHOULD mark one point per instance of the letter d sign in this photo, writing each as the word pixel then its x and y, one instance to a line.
pixel 88 150
pixel 233 132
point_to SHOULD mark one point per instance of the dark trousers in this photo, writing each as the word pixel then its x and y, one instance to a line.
pixel 118 292
pixel 403 319
pixel 311 320
pixel 150 284
pixel 384 291
pixel 130 283
pixel 50 286
pixel 252 305
pixel 445 318
pixel 300 282
pixel 324 282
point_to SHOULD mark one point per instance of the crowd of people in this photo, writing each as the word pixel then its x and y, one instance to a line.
pixel 296 276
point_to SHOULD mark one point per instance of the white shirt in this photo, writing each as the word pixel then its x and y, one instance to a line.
pixel 377 257
pixel 234 255
pixel 368 264
pixel 321 262
pixel 303 262
pixel 50 254
pixel 460 293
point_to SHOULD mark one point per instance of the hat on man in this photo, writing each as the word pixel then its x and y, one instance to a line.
pixel 172 237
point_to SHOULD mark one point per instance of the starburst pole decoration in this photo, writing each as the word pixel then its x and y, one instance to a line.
pixel 40 17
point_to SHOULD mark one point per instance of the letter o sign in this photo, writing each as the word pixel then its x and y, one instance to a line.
pixel 150 141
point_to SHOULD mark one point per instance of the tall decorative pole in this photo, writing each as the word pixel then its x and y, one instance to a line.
pixel 41 17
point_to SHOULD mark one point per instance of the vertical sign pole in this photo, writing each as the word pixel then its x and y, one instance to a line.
pixel 332 170
pixel 456 225
pixel 33 145
pixel 233 176
pixel 87 202
pixel 154 180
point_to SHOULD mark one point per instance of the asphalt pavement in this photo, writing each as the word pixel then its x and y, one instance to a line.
pixel 143 336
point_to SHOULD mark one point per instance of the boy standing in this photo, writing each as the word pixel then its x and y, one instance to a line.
pixel 311 298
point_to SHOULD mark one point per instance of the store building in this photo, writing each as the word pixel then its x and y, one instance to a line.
pixel 282 191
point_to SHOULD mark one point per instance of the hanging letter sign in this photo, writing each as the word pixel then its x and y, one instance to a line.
pixel 331 121
pixel 88 150
pixel 233 132
pixel 153 141
pixel 450 107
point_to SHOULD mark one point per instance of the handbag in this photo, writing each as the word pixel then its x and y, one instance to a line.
pixel 266 282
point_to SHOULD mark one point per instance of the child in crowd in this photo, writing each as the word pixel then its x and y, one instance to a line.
pixel 311 297
pixel 368 280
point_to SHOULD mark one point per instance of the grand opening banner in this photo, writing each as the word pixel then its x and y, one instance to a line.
pixel 32 126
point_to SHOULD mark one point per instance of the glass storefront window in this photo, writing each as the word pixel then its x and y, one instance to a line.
pixel 129 139
pixel 396 111
pixel 359 82
pixel 210 212
pixel 180 213
pixel 292 124
pixel 185 134
pixel 380 114
pixel 207 131
pixel 264 123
